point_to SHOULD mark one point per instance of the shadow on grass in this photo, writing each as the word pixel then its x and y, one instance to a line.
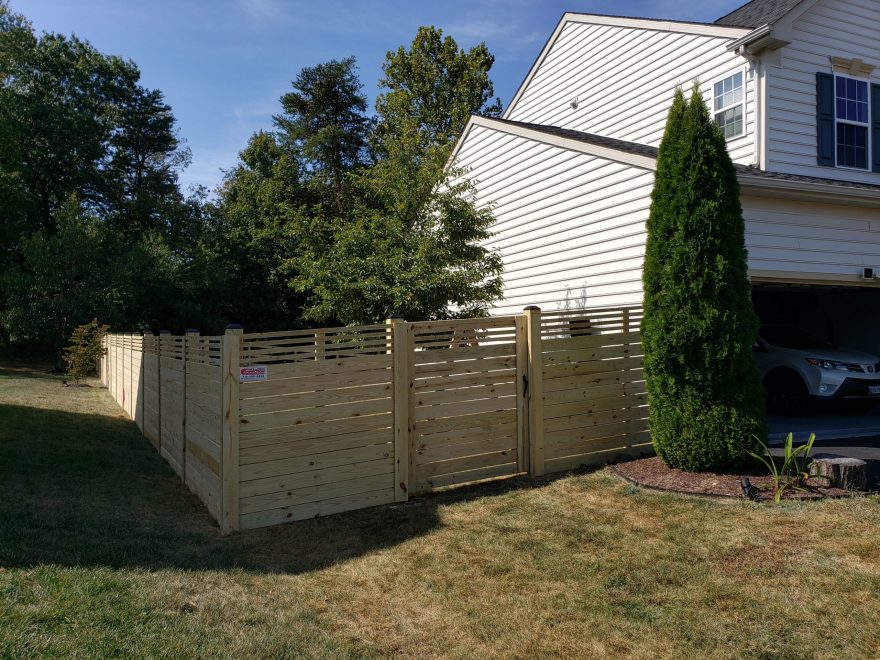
pixel 88 490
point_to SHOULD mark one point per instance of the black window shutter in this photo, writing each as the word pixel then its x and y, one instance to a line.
pixel 875 128
pixel 825 119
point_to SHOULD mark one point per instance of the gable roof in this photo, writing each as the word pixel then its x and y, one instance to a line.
pixel 758 12
pixel 645 156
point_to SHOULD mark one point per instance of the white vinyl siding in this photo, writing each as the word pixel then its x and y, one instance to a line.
pixel 831 28
pixel 569 227
pixel 624 78
pixel 805 237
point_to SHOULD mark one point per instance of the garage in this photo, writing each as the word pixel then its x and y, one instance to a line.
pixel 830 335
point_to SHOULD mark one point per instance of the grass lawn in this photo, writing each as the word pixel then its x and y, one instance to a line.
pixel 104 553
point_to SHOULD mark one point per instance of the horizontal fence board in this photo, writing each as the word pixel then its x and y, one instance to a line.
pixel 315 461
pixel 445 383
pixel 282 450
pixel 427 471
pixel 250 438
pixel 566 370
pixel 594 405
pixel 324 367
pixel 289 386
pixel 590 341
pixel 285 482
pixel 305 415
pixel 592 380
pixel 458 409
pixel 564 443
pixel 451 438
pixel 594 418
pixel 461 354
pixel 463 394
pixel 452 367
pixel 315 493
pixel 480 420
pixel 311 399
pixel 422 327
pixel 194 452
pixel 588 355
pixel 323 508
pixel 467 477
pixel 478 443
pixel 591 393
pixel 599 457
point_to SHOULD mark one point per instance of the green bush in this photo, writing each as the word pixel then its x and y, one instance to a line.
pixel 84 350
pixel 705 394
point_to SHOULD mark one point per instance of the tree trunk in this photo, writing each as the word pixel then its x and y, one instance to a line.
pixel 839 471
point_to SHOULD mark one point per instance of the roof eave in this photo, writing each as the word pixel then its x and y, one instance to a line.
pixel 808 191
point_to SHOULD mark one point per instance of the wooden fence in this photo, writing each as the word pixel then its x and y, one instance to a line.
pixel 271 427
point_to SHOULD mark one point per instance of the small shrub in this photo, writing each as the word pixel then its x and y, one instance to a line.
pixel 795 469
pixel 84 350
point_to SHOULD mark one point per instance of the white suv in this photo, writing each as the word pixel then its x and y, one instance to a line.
pixel 797 367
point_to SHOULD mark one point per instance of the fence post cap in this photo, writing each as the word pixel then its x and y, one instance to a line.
pixel 532 308
pixel 164 332
pixel 395 317
pixel 192 331
pixel 234 326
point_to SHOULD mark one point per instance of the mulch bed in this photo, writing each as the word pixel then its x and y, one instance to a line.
pixel 653 473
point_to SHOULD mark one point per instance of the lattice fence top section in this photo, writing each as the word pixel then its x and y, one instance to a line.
pixel 562 324
pixel 321 344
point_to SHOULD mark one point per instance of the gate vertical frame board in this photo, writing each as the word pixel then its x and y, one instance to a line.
pixel 230 349
pixel 536 391
pixel 402 352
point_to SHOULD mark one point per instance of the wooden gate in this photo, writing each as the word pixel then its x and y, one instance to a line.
pixel 467 401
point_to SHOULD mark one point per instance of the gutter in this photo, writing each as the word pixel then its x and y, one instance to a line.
pixel 810 190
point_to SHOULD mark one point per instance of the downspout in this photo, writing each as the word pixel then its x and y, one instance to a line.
pixel 755 63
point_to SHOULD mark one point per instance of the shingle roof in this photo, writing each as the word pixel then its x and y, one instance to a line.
pixel 651 152
pixel 588 138
pixel 758 12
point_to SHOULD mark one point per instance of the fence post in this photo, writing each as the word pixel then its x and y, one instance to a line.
pixel 130 384
pixel 522 407
pixel 141 389
pixel 230 349
pixel 535 392
pixel 160 349
pixel 401 355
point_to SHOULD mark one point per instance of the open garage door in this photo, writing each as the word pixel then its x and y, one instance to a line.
pixel 838 329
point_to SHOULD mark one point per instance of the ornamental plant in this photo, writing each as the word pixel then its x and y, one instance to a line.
pixel 705 394
pixel 86 347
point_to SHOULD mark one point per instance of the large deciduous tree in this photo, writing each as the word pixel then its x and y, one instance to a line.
pixel 706 399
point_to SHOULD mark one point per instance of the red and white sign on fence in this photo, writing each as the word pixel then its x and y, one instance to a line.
pixel 253 374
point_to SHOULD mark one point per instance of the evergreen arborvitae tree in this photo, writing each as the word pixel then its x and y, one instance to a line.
pixel 705 394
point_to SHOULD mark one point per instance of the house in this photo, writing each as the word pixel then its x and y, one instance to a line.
pixel 795 87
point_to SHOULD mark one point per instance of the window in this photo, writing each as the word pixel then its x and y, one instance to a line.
pixel 851 115
pixel 729 105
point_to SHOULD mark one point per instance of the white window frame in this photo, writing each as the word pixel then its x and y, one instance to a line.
pixel 866 125
pixel 742 103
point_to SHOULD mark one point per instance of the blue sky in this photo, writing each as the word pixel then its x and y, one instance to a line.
pixel 223 64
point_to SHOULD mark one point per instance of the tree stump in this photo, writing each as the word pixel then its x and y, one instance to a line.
pixel 839 471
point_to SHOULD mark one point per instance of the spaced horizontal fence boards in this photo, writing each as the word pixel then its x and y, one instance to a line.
pixel 317 437
pixel 273 427
pixel 594 401
pixel 172 394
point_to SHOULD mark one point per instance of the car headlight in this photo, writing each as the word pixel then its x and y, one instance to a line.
pixel 831 364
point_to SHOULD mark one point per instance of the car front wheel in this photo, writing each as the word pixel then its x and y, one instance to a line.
pixel 786 393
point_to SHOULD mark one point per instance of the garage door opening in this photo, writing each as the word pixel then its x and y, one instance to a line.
pixel 819 353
